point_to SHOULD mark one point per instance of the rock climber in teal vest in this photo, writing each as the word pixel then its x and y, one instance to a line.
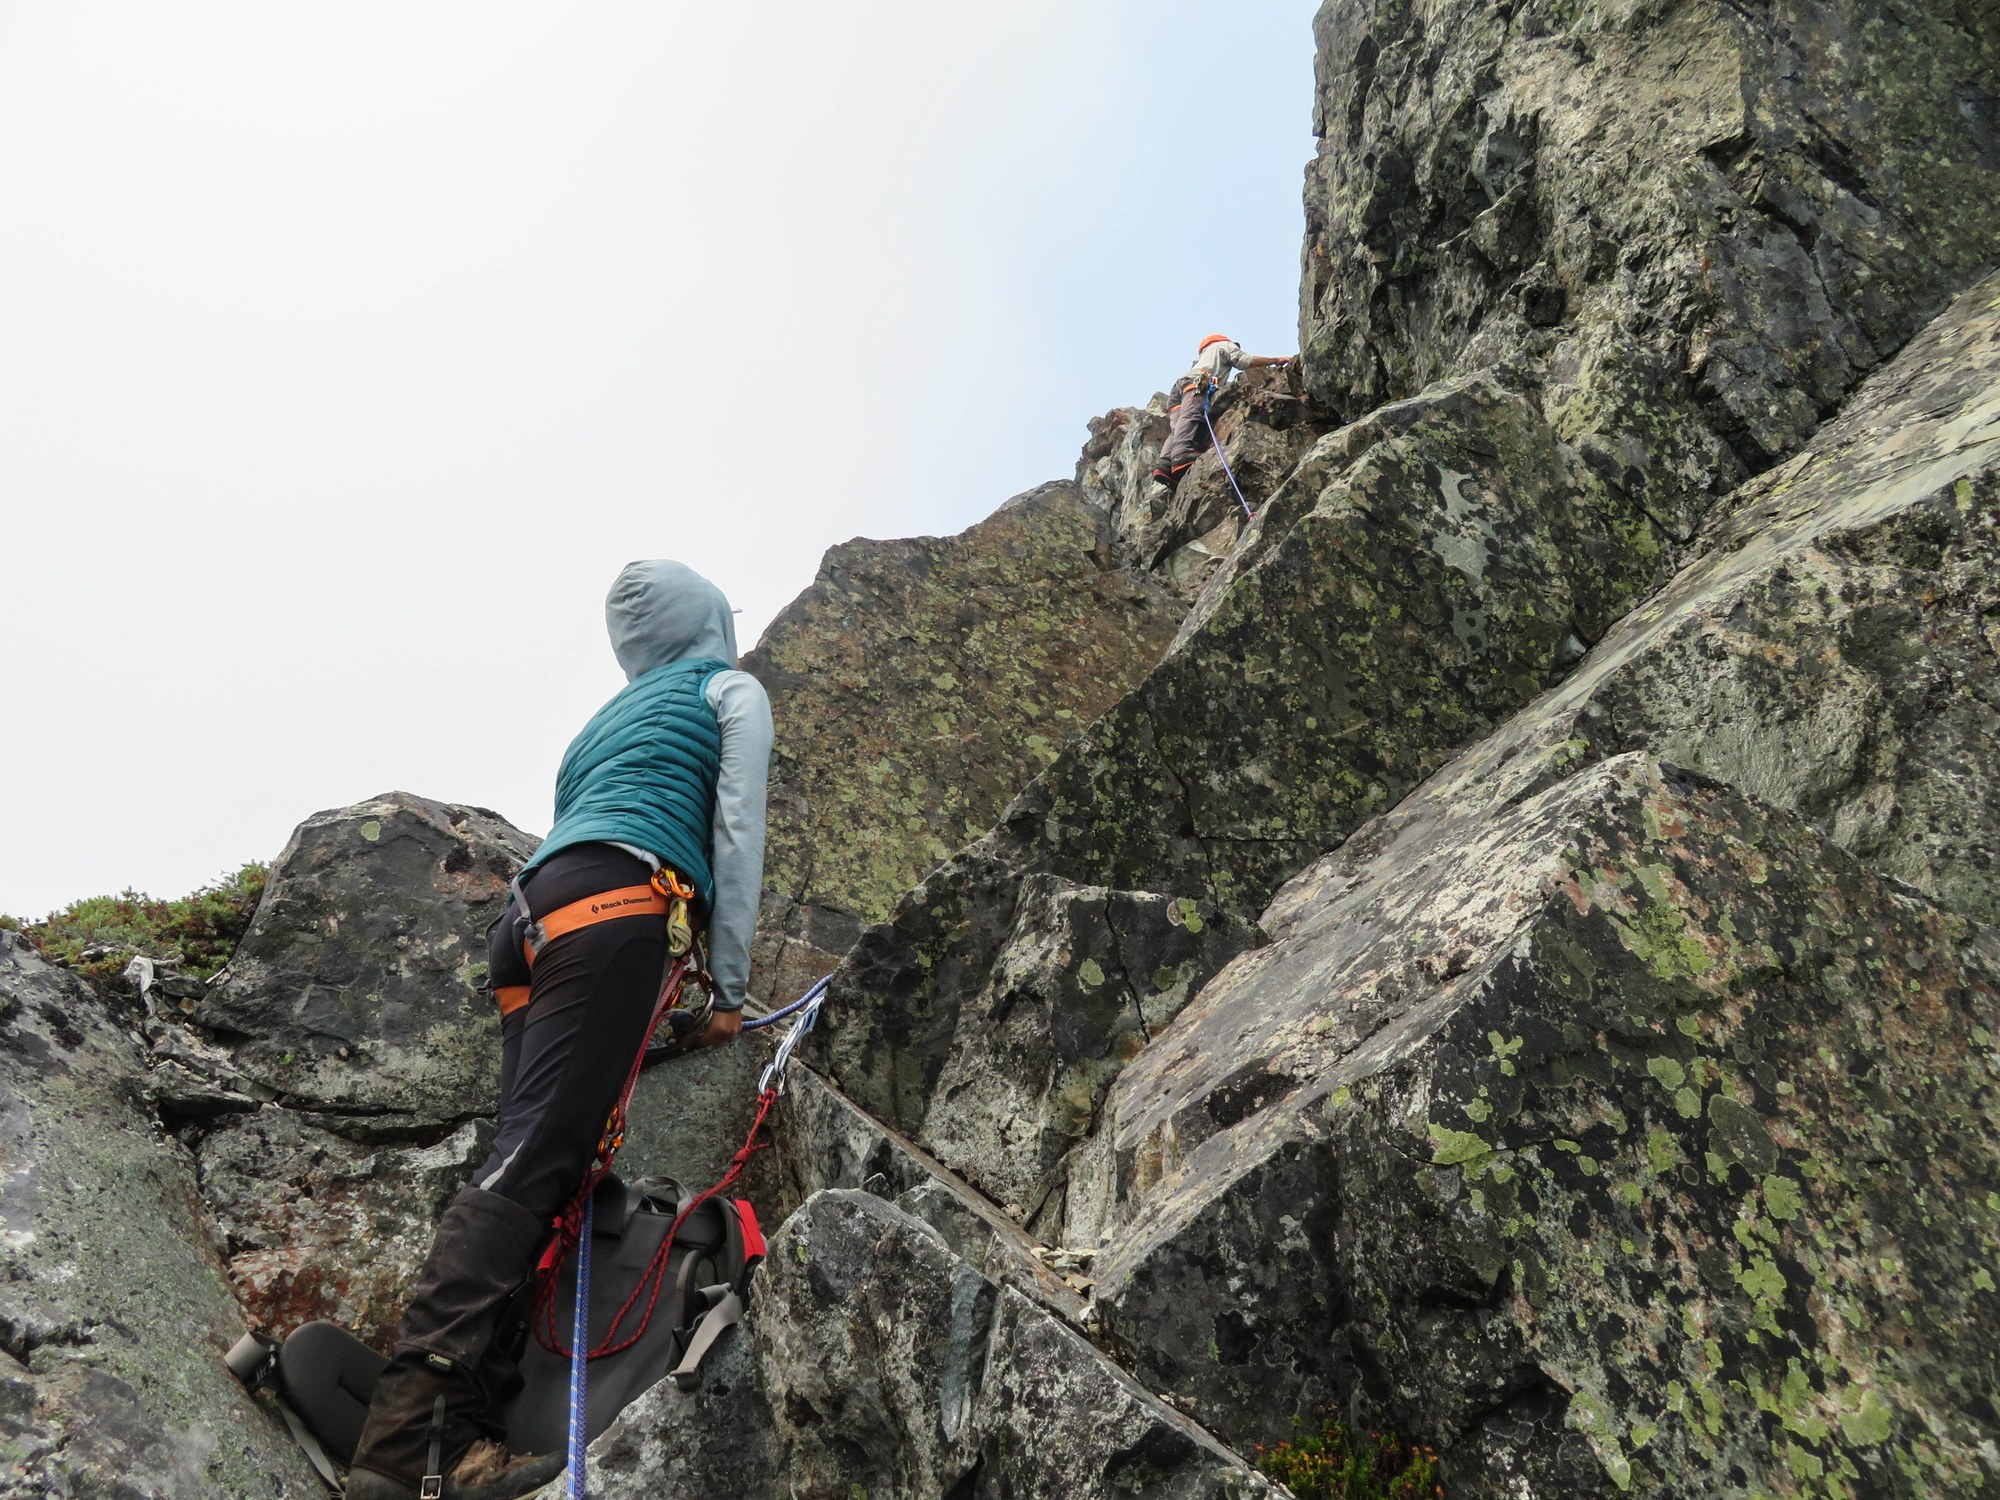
pixel 662 793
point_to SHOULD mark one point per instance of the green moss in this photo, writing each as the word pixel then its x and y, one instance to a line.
pixel 1338 1464
pixel 198 931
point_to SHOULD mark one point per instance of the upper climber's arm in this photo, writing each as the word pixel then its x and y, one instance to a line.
pixel 744 712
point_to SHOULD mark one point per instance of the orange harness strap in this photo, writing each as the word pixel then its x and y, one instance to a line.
pixel 666 896
pixel 606 906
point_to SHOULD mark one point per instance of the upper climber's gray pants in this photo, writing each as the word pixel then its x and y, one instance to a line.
pixel 1187 434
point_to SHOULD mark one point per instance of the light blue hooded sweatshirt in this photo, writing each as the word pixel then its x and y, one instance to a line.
pixel 674 767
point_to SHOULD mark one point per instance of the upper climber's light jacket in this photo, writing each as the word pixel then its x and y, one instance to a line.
pixel 673 768
pixel 1217 360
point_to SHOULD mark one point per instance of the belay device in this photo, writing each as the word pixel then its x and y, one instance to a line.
pixel 667 1272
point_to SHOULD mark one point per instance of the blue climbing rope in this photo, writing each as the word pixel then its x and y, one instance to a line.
pixel 579 1361
pixel 769 1087
pixel 794 1008
pixel 1248 513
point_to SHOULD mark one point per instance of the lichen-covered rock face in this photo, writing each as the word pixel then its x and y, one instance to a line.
pixel 356 988
pixel 919 684
pixel 114 1314
pixel 1421 576
pixel 1086 977
pixel 1636 1121
pixel 1698 225
pixel 318 1226
pixel 881 1363
pixel 1710 1006
pixel 1832 650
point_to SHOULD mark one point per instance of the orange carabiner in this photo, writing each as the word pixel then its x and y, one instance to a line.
pixel 668 882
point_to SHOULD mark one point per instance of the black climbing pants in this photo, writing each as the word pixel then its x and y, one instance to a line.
pixel 566 1054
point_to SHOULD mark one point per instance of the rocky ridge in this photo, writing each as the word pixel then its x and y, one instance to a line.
pixel 1502 952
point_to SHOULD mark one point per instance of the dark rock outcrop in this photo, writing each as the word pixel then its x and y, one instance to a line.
pixel 1695 227
pixel 114 1314
pixel 919 684
pixel 355 991
pixel 1558 964
pixel 880 1363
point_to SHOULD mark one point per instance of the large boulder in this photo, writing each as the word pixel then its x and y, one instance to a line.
pixel 1630 1137
pixel 356 989
pixel 1696 225
pixel 918 684
pixel 114 1314
pixel 880 1363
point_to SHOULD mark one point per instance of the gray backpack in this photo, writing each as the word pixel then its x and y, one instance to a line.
pixel 322 1376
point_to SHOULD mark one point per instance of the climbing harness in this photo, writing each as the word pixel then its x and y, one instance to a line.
pixel 1248 513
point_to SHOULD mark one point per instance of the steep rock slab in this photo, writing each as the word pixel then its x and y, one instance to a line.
pixel 1435 580
pixel 880 1363
pixel 355 990
pixel 1632 1137
pixel 1701 224
pixel 113 1312
pixel 919 684
pixel 1833 650
pixel 315 1225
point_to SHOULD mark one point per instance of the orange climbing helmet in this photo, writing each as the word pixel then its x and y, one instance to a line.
pixel 1214 338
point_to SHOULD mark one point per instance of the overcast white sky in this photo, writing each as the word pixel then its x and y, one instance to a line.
pixel 347 351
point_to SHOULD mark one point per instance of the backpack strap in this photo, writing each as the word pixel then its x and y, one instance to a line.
pixel 725 1307
pixel 310 1445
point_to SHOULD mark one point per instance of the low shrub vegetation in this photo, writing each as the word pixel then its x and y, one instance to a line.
pixel 99 934
pixel 1340 1465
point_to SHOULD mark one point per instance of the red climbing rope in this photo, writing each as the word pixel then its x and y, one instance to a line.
pixel 569 1219
pixel 655 1277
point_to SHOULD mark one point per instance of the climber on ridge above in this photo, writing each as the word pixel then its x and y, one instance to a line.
pixel 663 791
pixel 1187 434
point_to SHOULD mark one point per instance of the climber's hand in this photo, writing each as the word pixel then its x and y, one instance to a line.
pixel 722 1026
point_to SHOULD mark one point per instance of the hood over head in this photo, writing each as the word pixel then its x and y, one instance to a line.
pixel 661 612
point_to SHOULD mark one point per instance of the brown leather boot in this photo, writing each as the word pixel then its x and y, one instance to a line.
pixel 440 1406
pixel 417 1449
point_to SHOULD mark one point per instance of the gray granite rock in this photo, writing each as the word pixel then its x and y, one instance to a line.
pixel 880 1363
pixel 114 1314
pixel 355 990
pixel 1629 1137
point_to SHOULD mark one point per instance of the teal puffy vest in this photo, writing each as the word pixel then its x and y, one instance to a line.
pixel 643 772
